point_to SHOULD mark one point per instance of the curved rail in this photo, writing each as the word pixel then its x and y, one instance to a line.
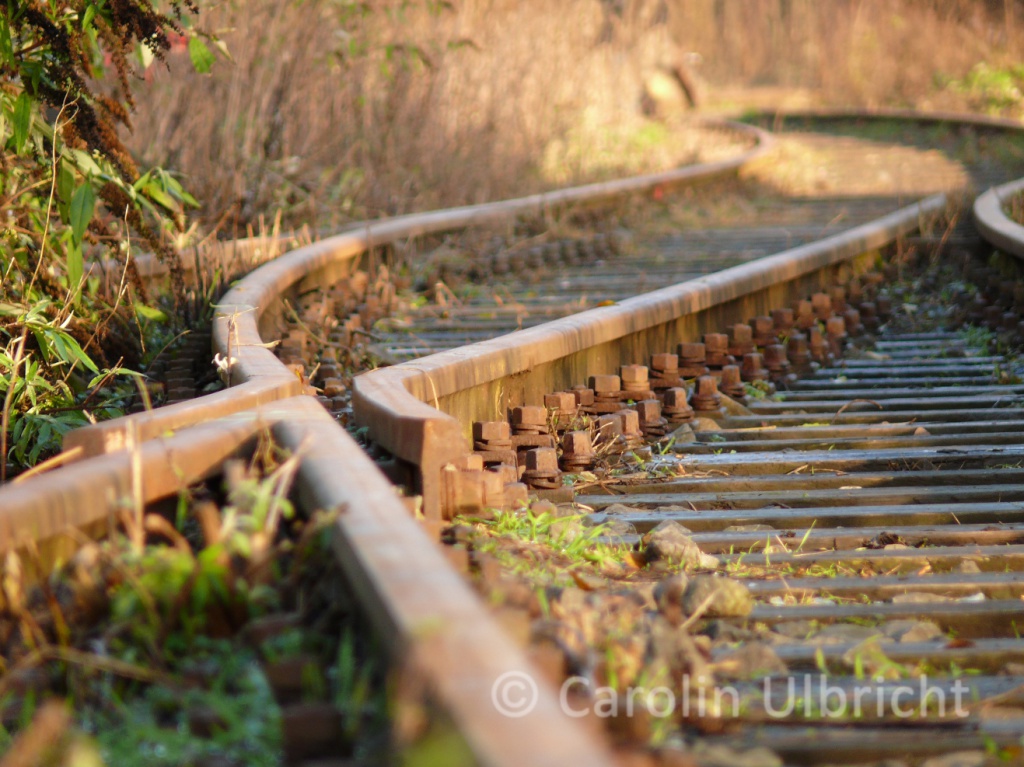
pixel 426 610
pixel 421 606
pixel 993 223
pixel 468 383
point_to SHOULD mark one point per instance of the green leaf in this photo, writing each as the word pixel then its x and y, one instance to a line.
pixel 82 205
pixel 201 57
pixel 160 197
pixel 74 266
pixel 65 181
pixel 65 190
pixel 149 313
pixel 85 163
pixel 22 121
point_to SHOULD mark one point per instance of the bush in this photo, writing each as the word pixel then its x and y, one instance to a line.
pixel 71 194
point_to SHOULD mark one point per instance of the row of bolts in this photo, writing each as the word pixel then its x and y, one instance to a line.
pixel 616 413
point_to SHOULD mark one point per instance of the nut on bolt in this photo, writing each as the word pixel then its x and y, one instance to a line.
pixel 782 319
pixel 530 419
pixel 705 397
pixel 753 368
pixel 741 339
pixel 821 304
pixel 675 408
pixel 731 385
pixel 764 331
pixel 577 452
pixel 716 350
pixel 542 470
pixel 652 424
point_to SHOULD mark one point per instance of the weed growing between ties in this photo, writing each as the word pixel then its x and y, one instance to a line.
pixel 191 638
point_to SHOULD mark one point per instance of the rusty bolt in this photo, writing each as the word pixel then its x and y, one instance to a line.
pixel 333 387
pixel 740 333
pixel 665 363
pixel 797 350
pixel 577 443
pixel 804 315
pixel 853 324
pixel 717 343
pixel 869 316
pixel 529 415
pixel 609 427
pixel 649 410
pixel 691 354
pixel 577 451
pixel 675 407
pixel 633 374
pixel 494 489
pixel 491 431
pixel 821 304
pixel 764 330
pixel 753 368
pixel 836 327
pixel 775 358
pixel 543 460
pixel 675 398
pixel 516 495
pixel 731 385
pixel 584 396
pixel 605 384
pixel 464 491
pixel 630 422
pixel 705 395
pixel 563 402
pixel 782 319
pixel 469 462
pixel 838 296
pixel 817 344
pixel 509 473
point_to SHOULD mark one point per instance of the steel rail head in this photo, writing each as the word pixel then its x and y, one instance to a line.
pixel 995 226
pixel 42 510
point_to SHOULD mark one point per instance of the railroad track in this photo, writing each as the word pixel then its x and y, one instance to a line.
pixel 427 610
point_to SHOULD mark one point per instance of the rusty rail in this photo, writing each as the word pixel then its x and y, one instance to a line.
pixel 419 602
pixel 426 611
pixel 993 223
pixel 419 410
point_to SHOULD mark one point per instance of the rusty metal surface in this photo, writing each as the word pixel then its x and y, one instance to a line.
pixel 410 585
pixel 482 380
pixel 992 221
pixel 422 606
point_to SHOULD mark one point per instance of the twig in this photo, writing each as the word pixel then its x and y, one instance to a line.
pixel 85 659
pixel 851 402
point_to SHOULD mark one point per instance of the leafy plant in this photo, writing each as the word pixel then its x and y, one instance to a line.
pixel 71 195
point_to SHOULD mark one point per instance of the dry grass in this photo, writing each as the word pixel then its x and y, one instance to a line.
pixel 334 111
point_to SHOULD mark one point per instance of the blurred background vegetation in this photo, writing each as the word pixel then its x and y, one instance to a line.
pixel 291 113
pixel 334 110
